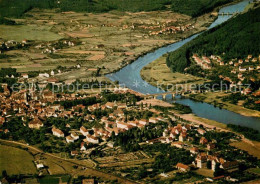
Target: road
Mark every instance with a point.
(72, 161)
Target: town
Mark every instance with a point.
(132, 92)
(117, 122)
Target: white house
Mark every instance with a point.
(74, 136)
(69, 139)
(122, 125)
(153, 120)
(82, 147)
(84, 131)
(92, 139)
(42, 75)
(143, 122)
(57, 132)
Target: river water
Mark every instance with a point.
(129, 76)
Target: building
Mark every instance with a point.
(122, 125)
(201, 160)
(57, 132)
(74, 153)
(88, 181)
(39, 166)
(182, 167)
(74, 136)
(69, 139)
(25, 76)
(211, 146)
(201, 131)
(36, 124)
(183, 137)
(83, 147)
(42, 75)
(84, 131)
(194, 150)
(143, 122)
(177, 144)
(92, 139)
(229, 166)
(153, 120)
(203, 140)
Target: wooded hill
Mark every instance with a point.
(16, 8)
(236, 38)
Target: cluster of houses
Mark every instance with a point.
(48, 48)
(10, 44)
(204, 62)
(203, 153)
(167, 29)
(37, 106)
(33, 104)
(115, 122)
(240, 71)
(37, 109)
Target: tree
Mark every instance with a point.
(209, 164)
(4, 174)
(218, 170)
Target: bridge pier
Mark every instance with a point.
(164, 96)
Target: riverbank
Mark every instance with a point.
(252, 147)
(214, 98)
(158, 74)
(200, 24)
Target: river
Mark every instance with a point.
(130, 77)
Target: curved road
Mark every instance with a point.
(122, 180)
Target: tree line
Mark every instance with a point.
(17, 8)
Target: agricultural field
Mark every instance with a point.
(15, 160)
(252, 147)
(54, 179)
(29, 32)
(107, 41)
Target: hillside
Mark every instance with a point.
(236, 38)
(16, 8)
(196, 8)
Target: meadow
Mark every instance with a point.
(158, 72)
(15, 160)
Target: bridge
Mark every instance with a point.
(227, 13)
(163, 95)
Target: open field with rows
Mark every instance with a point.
(107, 40)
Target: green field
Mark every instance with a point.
(16, 161)
(29, 32)
(49, 180)
(255, 170)
(54, 179)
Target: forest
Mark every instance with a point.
(235, 38)
(249, 133)
(16, 8)
(196, 8)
